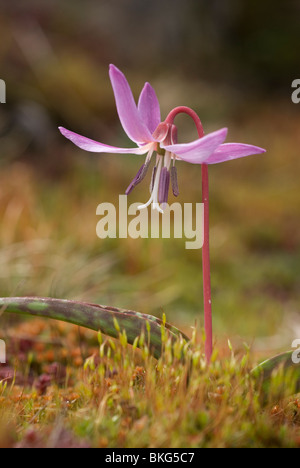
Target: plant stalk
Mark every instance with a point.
(205, 250)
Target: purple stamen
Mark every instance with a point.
(143, 172)
(135, 181)
(167, 185)
(139, 177)
(164, 183)
(174, 181)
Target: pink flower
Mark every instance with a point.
(143, 125)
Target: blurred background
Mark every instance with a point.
(233, 62)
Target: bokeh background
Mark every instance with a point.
(233, 62)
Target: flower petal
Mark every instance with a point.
(148, 107)
(198, 151)
(127, 109)
(230, 151)
(96, 147)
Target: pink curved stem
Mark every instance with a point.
(186, 110)
(205, 250)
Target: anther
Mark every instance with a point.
(164, 183)
(136, 180)
(143, 172)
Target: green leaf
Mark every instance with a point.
(278, 376)
(110, 321)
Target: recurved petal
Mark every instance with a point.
(198, 151)
(230, 151)
(148, 107)
(96, 147)
(128, 112)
